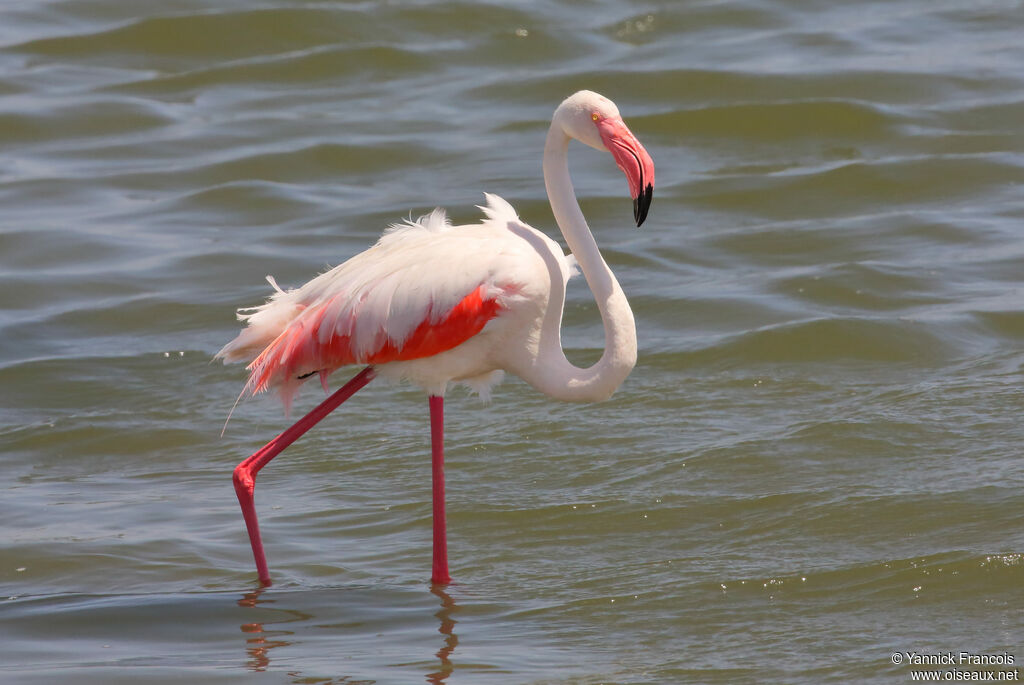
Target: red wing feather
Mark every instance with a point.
(298, 347)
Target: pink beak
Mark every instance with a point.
(634, 161)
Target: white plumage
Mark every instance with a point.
(415, 273)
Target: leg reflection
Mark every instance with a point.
(260, 641)
(447, 628)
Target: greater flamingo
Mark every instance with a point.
(437, 304)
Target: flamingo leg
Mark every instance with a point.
(245, 472)
(440, 573)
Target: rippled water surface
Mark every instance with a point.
(815, 464)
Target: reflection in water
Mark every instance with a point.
(448, 607)
(260, 641)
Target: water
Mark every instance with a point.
(815, 464)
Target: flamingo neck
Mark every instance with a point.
(554, 374)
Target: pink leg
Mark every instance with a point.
(245, 473)
(440, 572)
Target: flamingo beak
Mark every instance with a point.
(634, 161)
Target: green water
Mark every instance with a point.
(816, 463)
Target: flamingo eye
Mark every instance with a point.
(595, 116)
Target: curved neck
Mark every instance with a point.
(554, 374)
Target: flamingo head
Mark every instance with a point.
(595, 121)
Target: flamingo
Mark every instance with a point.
(436, 304)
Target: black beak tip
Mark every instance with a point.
(642, 203)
